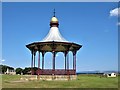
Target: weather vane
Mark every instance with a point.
(54, 12)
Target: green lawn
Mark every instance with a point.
(83, 81)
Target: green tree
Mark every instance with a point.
(19, 70)
(26, 70)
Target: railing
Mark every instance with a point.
(55, 72)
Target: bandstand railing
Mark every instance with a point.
(55, 72)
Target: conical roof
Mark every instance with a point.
(54, 34)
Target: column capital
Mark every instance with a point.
(43, 53)
(65, 53)
(54, 53)
(34, 53)
(74, 52)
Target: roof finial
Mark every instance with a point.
(54, 12)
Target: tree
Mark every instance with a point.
(19, 70)
(26, 70)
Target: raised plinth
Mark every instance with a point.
(49, 77)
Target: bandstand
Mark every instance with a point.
(54, 43)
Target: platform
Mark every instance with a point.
(48, 77)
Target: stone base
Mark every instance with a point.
(49, 77)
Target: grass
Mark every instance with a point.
(83, 81)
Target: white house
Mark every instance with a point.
(110, 75)
(10, 71)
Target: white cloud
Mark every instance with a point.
(115, 12)
(3, 60)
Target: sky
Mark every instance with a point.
(94, 25)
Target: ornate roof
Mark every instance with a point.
(54, 35)
(54, 41)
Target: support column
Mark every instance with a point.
(43, 60)
(68, 73)
(34, 58)
(74, 61)
(38, 62)
(34, 53)
(65, 54)
(32, 63)
(53, 61)
(67, 61)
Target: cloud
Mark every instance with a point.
(115, 12)
(3, 60)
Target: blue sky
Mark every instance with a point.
(88, 24)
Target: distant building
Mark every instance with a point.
(110, 74)
(10, 71)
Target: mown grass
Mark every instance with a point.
(83, 81)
